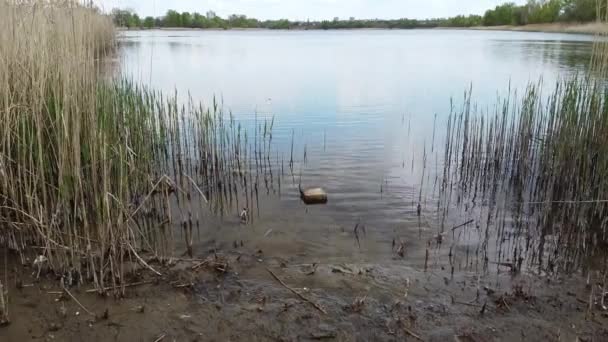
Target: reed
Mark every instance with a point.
(95, 171)
(53, 142)
(4, 317)
(539, 165)
(533, 173)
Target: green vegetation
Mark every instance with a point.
(173, 19)
(534, 12)
(544, 11)
(127, 18)
(93, 172)
(532, 173)
(540, 164)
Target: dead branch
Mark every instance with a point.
(411, 333)
(119, 286)
(200, 264)
(197, 188)
(142, 260)
(65, 289)
(317, 306)
(462, 225)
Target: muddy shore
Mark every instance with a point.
(300, 277)
(242, 294)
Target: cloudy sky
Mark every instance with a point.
(311, 9)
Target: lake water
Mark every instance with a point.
(363, 104)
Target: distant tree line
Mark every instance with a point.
(128, 18)
(545, 11)
(533, 12)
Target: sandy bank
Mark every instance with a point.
(580, 28)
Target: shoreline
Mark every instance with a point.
(243, 294)
(594, 28)
(571, 28)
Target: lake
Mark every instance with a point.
(364, 106)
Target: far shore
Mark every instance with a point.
(580, 28)
(575, 28)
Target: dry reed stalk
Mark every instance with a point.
(538, 163)
(4, 318)
(92, 171)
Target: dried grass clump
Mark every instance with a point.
(56, 153)
(70, 145)
(94, 171)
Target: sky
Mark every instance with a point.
(311, 9)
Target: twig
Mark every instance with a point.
(119, 286)
(186, 259)
(465, 303)
(74, 298)
(142, 260)
(317, 306)
(462, 225)
(160, 338)
(197, 188)
(505, 303)
(148, 195)
(411, 333)
(200, 264)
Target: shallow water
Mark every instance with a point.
(365, 106)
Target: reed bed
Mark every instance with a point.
(96, 172)
(533, 175)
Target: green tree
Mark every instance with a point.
(242, 21)
(172, 19)
(543, 11)
(282, 24)
(461, 21)
(505, 14)
(534, 11)
(580, 10)
(134, 21)
(125, 18)
(198, 20)
(186, 20)
(149, 22)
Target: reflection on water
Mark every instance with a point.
(366, 106)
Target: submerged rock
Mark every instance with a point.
(313, 196)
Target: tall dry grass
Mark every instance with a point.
(70, 145)
(92, 171)
(57, 155)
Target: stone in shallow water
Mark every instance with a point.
(313, 196)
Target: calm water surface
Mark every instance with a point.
(363, 104)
